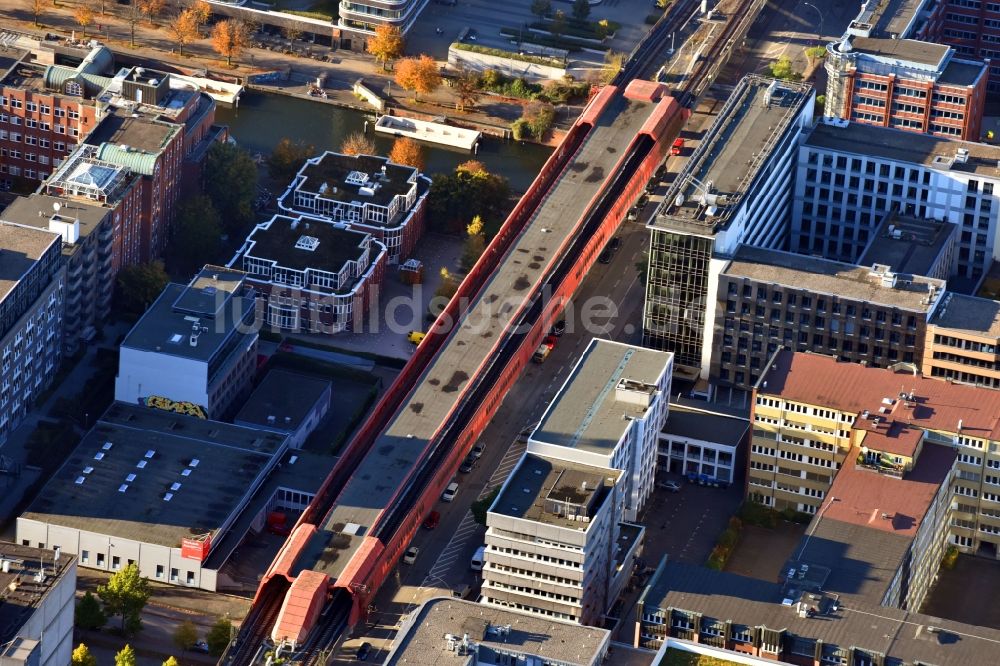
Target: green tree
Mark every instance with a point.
(613, 62)
(541, 7)
(581, 10)
(287, 158)
(816, 52)
(539, 117)
(456, 197)
(218, 636)
(171, 661)
(82, 657)
(482, 506)
(194, 239)
(820, 103)
(89, 614)
(782, 69)
(231, 184)
(126, 656)
(138, 287)
(185, 635)
(126, 594)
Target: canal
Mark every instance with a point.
(263, 119)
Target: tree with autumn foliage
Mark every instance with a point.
(202, 12)
(229, 38)
(185, 29)
(407, 152)
(466, 87)
(151, 8)
(36, 9)
(419, 74)
(475, 243)
(387, 44)
(357, 143)
(84, 15)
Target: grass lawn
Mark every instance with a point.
(321, 9)
(678, 658)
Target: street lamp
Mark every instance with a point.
(819, 32)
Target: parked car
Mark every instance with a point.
(364, 652)
(449, 493)
(672, 486)
(433, 520)
(615, 244)
(478, 450)
(416, 337)
(604, 257)
(559, 328)
(678, 147)
(200, 646)
(411, 555)
(467, 465)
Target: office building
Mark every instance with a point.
(850, 175)
(963, 341)
(814, 415)
(31, 314)
(172, 493)
(769, 299)
(878, 74)
(312, 276)
(729, 192)
(359, 18)
(795, 623)
(556, 546)
(39, 598)
(907, 245)
(288, 403)
(702, 443)
(196, 344)
(451, 632)
(609, 413)
(362, 193)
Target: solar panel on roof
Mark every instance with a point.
(130, 478)
(122, 488)
(107, 446)
(141, 464)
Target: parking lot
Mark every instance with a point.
(442, 23)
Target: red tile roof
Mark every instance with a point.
(862, 497)
(850, 387)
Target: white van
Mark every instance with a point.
(449, 493)
(478, 559)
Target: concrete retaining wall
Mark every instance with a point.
(508, 66)
(369, 95)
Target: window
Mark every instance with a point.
(85, 556)
(159, 571)
(173, 575)
(116, 562)
(100, 559)
(190, 578)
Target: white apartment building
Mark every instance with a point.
(730, 192)
(555, 543)
(609, 413)
(850, 175)
(196, 345)
(701, 444)
(39, 599)
(31, 314)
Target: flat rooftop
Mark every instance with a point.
(341, 178)
(538, 483)
(820, 380)
(825, 276)
(962, 72)
(286, 397)
(214, 299)
(20, 249)
(702, 424)
(902, 146)
(588, 412)
(908, 244)
(899, 634)
(22, 593)
(303, 244)
(731, 154)
(36, 210)
(22, 73)
(439, 389)
(10, 56)
(907, 50)
(143, 133)
(968, 314)
(551, 641)
(120, 489)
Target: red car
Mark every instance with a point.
(677, 147)
(432, 520)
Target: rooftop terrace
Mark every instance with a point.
(609, 382)
(721, 170)
(928, 150)
(301, 244)
(495, 630)
(824, 276)
(156, 476)
(349, 178)
(439, 389)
